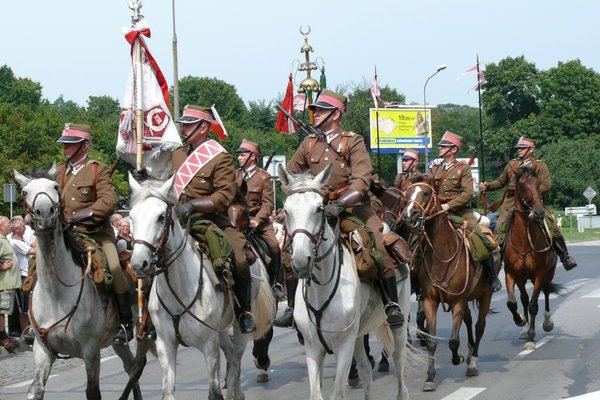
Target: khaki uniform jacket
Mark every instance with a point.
(508, 179)
(354, 172)
(91, 188)
(260, 194)
(454, 186)
(402, 180)
(216, 180)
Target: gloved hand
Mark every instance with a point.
(79, 216)
(184, 210)
(140, 175)
(333, 209)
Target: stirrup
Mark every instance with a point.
(247, 315)
(394, 314)
(277, 290)
(286, 320)
(123, 335)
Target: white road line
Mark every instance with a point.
(29, 381)
(593, 295)
(587, 396)
(537, 346)
(464, 393)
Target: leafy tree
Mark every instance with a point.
(18, 90)
(261, 116)
(208, 91)
(511, 92)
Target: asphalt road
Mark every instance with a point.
(565, 365)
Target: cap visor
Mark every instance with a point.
(189, 120)
(242, 150)
(70, 139)
(445, 143)
(321, 104)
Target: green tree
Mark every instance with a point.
(208, 91)
(511, 92)
(261, 116)
(22, 91)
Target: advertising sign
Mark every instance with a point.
(400, 128)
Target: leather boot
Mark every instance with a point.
(561, 249)
(286, 320)
(243, 292)
(275, 277)
(395, 317)
(125, 332)
(493, 281)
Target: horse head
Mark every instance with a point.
(151, 219)
(40, 196)
(238, 212)
(528, 193)
(420, 201)
(305, 220)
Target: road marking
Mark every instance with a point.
(537, 346)
(465, 393)
(593, 295)
(587, 396)
(30, 381)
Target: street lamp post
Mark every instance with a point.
(428, 133)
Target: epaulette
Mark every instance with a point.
(350, 133)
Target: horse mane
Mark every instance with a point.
(303, 179)
(150, 188)
(526, 171)
(39, 173)
(425, 178)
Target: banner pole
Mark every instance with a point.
(139, 120)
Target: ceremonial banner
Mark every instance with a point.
(283, 124)
(159, 136)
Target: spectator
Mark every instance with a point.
(24, 251)
(9, 282)
(124, 240)
(115, 219)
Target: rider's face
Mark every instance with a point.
(322, 119)
(74, 151)
(523, 152)
(245, 159)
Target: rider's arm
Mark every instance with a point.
(298, 163)
(224, 185)
(544, 175)
(360, 162)
(106, 198)
(466, 190)
(501, 182)
(266, 205)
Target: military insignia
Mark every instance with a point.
(67, 126)
(85, 190)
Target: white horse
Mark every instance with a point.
(69, 314)
(335, 309)
(184, 305)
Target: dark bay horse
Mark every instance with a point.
(447, 275)
(529, 256)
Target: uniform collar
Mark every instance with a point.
(250, 171)
(75, 167)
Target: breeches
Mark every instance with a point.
(238, 242)
(120, 282)
(269, 235)
(366, 214)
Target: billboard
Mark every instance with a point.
(405, 127)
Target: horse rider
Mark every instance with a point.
(410, 160)
(349, 184)
(261, 200)
(453, 183)
(525, 148)
(89, 200)
(205, 187)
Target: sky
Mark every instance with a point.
(76, 48)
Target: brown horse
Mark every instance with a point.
(529, 256)
(447, 275)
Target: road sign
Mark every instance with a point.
(275, 162)
(589, 193)
(590, 209)
(10, 193)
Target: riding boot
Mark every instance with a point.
(125, 332)
(561, 249)
(287, 318)
(490, 268)
(243, 292)
(275, 277)
(394, 314)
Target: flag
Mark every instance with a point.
(284, 124)
(159, 136)
(299, 102)
(323, 79)
(219, 127)
(376, 93)
(467, 72)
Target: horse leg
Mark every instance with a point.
(458, 313)
(421, 328)
(92, 371)
(430, 307)
(260, 351)
(344, 353)
(484, 307)
(167, 358)
(525, 303)
(233, 353)
(213, 364)
(548, 324)
(533, 310)
(134, 366)
(511, 302)
(363, 365)
(43, 361)
(468, 320)
(314, 364)
(399, 357)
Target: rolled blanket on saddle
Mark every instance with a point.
(210, 235)
(481, 240)
(362, 243)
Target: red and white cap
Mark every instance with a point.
(411, 155)
(193, 114)
(524, 142)
(248, 146)
(75, 133)
(451, 139)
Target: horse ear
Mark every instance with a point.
(166, 187)
(323, 176)
(133, 184)
(21, 179)
(53, 171)
(284, 176)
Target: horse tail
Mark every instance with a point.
(384, 334)
(556, 288)
(265, 306)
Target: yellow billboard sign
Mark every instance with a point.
(399, 129)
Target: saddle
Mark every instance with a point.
(482, 243)
(361, 242)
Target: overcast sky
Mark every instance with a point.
(76, 48)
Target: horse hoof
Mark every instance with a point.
(529, 346)
(472, 371)
(262, 376)
(458, 360)
(354, 382)
(383, 367)
(522, 322)
(548, 326)
(430, 387)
